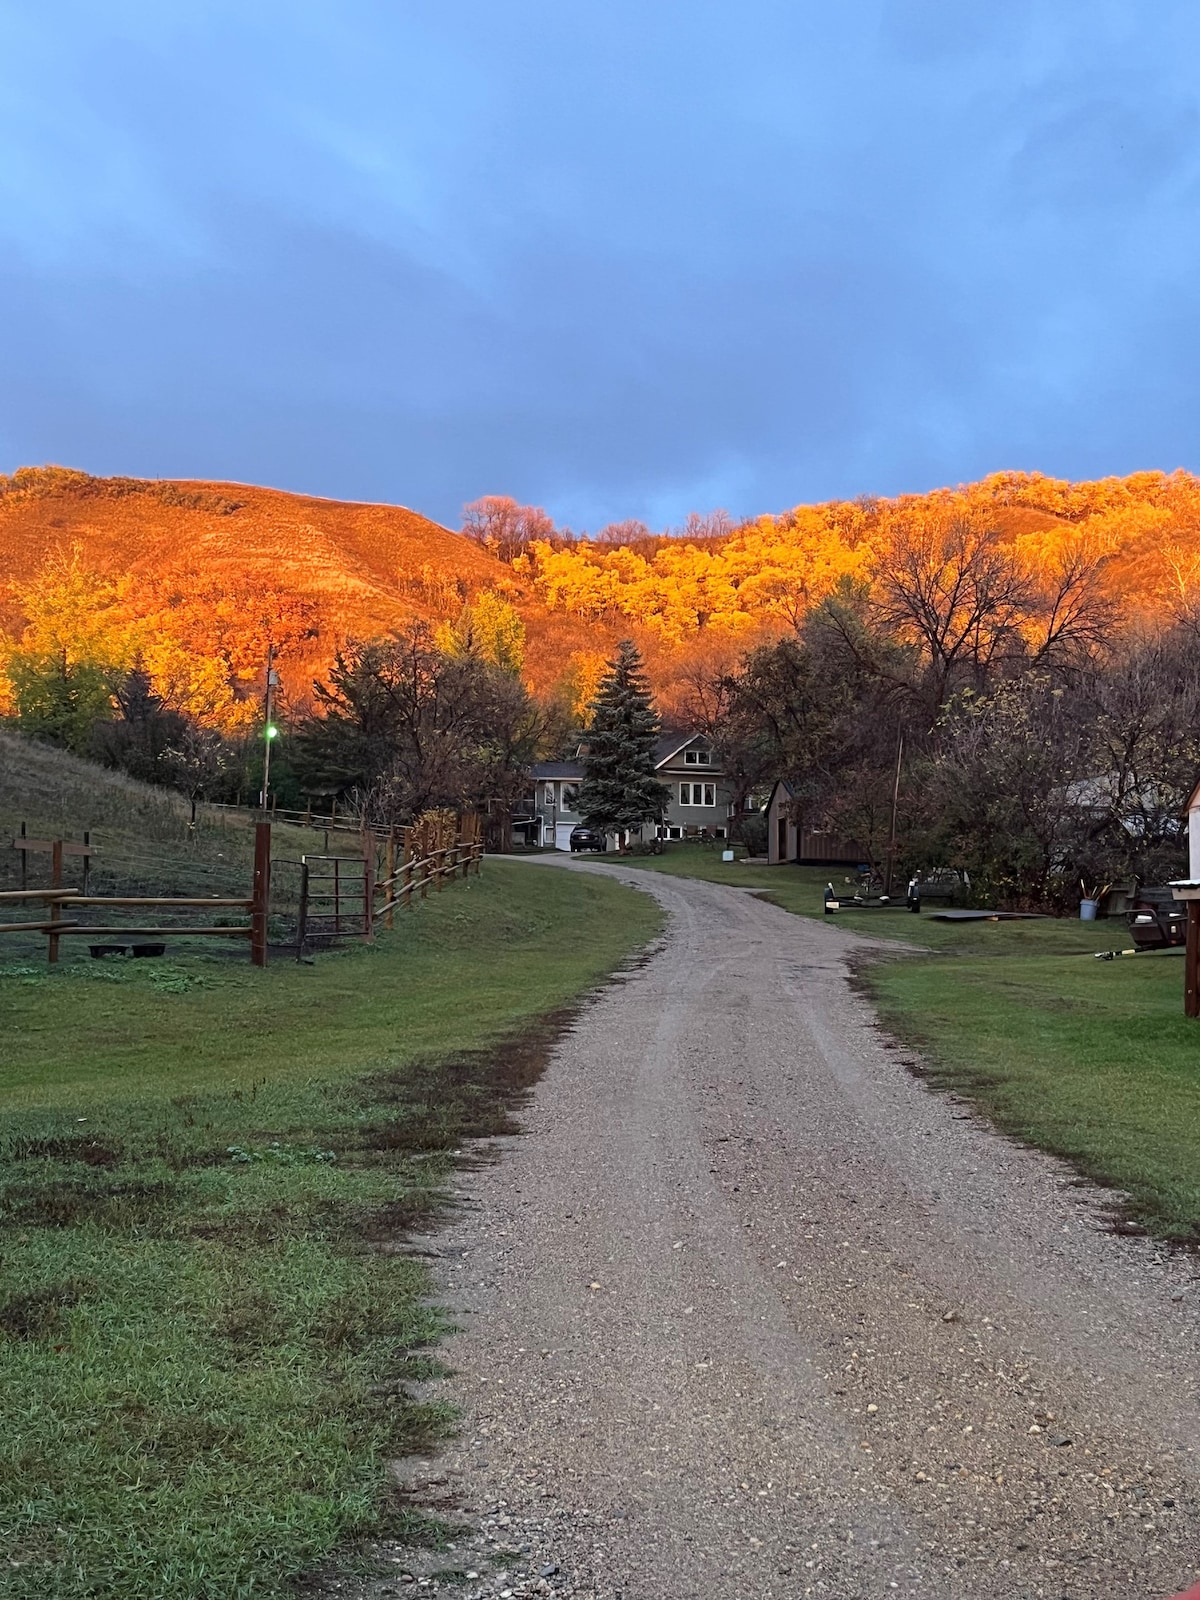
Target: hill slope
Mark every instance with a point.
(196, 577)
(212, 570)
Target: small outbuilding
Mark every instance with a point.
(788, 841)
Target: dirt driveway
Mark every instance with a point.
(749, 1313)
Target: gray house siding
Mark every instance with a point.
(698, 804)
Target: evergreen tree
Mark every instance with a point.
(620, 791)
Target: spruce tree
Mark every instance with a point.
(620, 791)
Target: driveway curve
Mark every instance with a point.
(748, 1313)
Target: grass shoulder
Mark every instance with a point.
(204, 1360)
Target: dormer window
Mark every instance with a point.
(697, 758)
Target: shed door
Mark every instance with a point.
(781, 847)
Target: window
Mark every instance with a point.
(697, 758)
(550, 795)
(697, 794)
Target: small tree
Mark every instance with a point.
(505, 528)
(490, 629)
(619, 791)
(58, 699)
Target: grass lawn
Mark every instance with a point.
(1092, 1060)
(203, 1357)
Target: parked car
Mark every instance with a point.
(938, 883)
(585, 838)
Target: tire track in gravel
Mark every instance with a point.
(749, 1313)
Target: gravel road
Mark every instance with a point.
(747, 1313)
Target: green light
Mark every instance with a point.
(270, 731)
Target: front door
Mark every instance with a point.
(781, 850)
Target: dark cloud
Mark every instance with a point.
(621, 263)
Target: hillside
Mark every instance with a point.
(196, 577)
(212, 569)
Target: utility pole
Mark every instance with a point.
(270, 730)
(891, 855)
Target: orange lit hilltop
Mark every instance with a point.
(195, 578)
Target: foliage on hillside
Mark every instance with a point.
(194, 579)
(1142, 532)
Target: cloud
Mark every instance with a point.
(631, 261)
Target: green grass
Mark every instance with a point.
(1090, 1060)
(204, 1360)
(801, 890)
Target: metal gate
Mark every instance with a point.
(335, 899)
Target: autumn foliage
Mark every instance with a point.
(194, 579)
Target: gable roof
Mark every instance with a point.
(670, 744)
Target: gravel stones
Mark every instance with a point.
(748, 1313)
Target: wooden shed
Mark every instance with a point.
(787, 841)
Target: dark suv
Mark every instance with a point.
(585, 838)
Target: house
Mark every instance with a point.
(698, 805)
(788, 841)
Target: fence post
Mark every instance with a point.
(302, 913)
(261, 894)
(56, 862)
(1191, 962)
(368, 885)
(389, 872)
(24, 868)
(87, 856)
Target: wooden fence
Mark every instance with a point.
(62, 905)
(344, 896)
(340, 896)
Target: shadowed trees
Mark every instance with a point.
(405, 728)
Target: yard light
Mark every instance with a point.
(270, 731)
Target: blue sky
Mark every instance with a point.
(622, 260)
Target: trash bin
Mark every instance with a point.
(1087, 910)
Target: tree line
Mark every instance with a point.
(957, 710)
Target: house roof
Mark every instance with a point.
(558, 769)
(670, 744)
(666, 746)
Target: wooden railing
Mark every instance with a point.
(433, 852)
(343, 896)
(417, 875)
(55, 925)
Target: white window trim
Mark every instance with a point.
(687, 793)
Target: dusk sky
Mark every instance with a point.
(620, 260)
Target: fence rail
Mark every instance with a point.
(352, 895)
(339, 897)
(58, 899)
